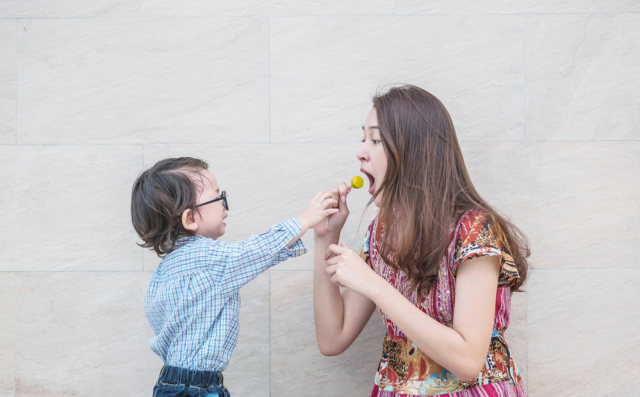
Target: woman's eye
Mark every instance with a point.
(375, 141)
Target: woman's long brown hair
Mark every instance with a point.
(426, 186)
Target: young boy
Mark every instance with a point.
(193, 300)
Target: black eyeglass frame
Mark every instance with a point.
(223, 197)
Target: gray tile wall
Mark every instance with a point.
(544, 95)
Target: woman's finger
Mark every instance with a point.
(342, 188)
(335, 194)
(330, 211)
(335, 249)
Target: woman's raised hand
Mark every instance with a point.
(332, 225)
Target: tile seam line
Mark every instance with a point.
(142, 170)
(524, 77)
(534, 271)
(74, 271)
(17, 140)
(132, 18)
(389, 15)
(98, 144)
(270, 314)
(526, 339)
(15, 322)
(269, 88)
(291, 143)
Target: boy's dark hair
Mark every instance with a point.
(159, 197)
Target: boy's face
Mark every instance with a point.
(210, 217)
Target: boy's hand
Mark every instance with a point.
(322, 206)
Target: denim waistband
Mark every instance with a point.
(190, 377)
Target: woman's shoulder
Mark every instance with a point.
(473, 216)
(478, 233)
(477, 229)
(476, 221)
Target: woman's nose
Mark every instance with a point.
(362, 155)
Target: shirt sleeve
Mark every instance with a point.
(243, 261)
(479, 234)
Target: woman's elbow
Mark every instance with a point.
(466, 376)
(329, 352)
(330, 349)
(468, 371)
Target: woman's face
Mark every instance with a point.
(373, 159)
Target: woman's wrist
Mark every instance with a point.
(303, 221)
(331, 237)
(376, 288)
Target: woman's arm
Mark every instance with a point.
(339, 317)
(461, 349)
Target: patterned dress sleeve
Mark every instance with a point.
(479, 234)
(364, 252)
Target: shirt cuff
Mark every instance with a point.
(294, 228)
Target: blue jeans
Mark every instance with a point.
(182, 382)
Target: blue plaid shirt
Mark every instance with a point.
(193, 300)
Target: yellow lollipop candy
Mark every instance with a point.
(357, 182)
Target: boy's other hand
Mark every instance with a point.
(320, 207)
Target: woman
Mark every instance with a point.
(438, 261)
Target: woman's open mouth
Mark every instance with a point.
(372, 181)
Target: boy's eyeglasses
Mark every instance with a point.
(223, 197)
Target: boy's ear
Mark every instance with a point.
(188, 220)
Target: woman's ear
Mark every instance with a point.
(188, 220)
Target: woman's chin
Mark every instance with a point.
(377, 200)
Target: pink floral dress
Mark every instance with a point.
(404, 370)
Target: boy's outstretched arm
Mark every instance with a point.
(243, 261)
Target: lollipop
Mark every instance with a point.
(357, 182)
